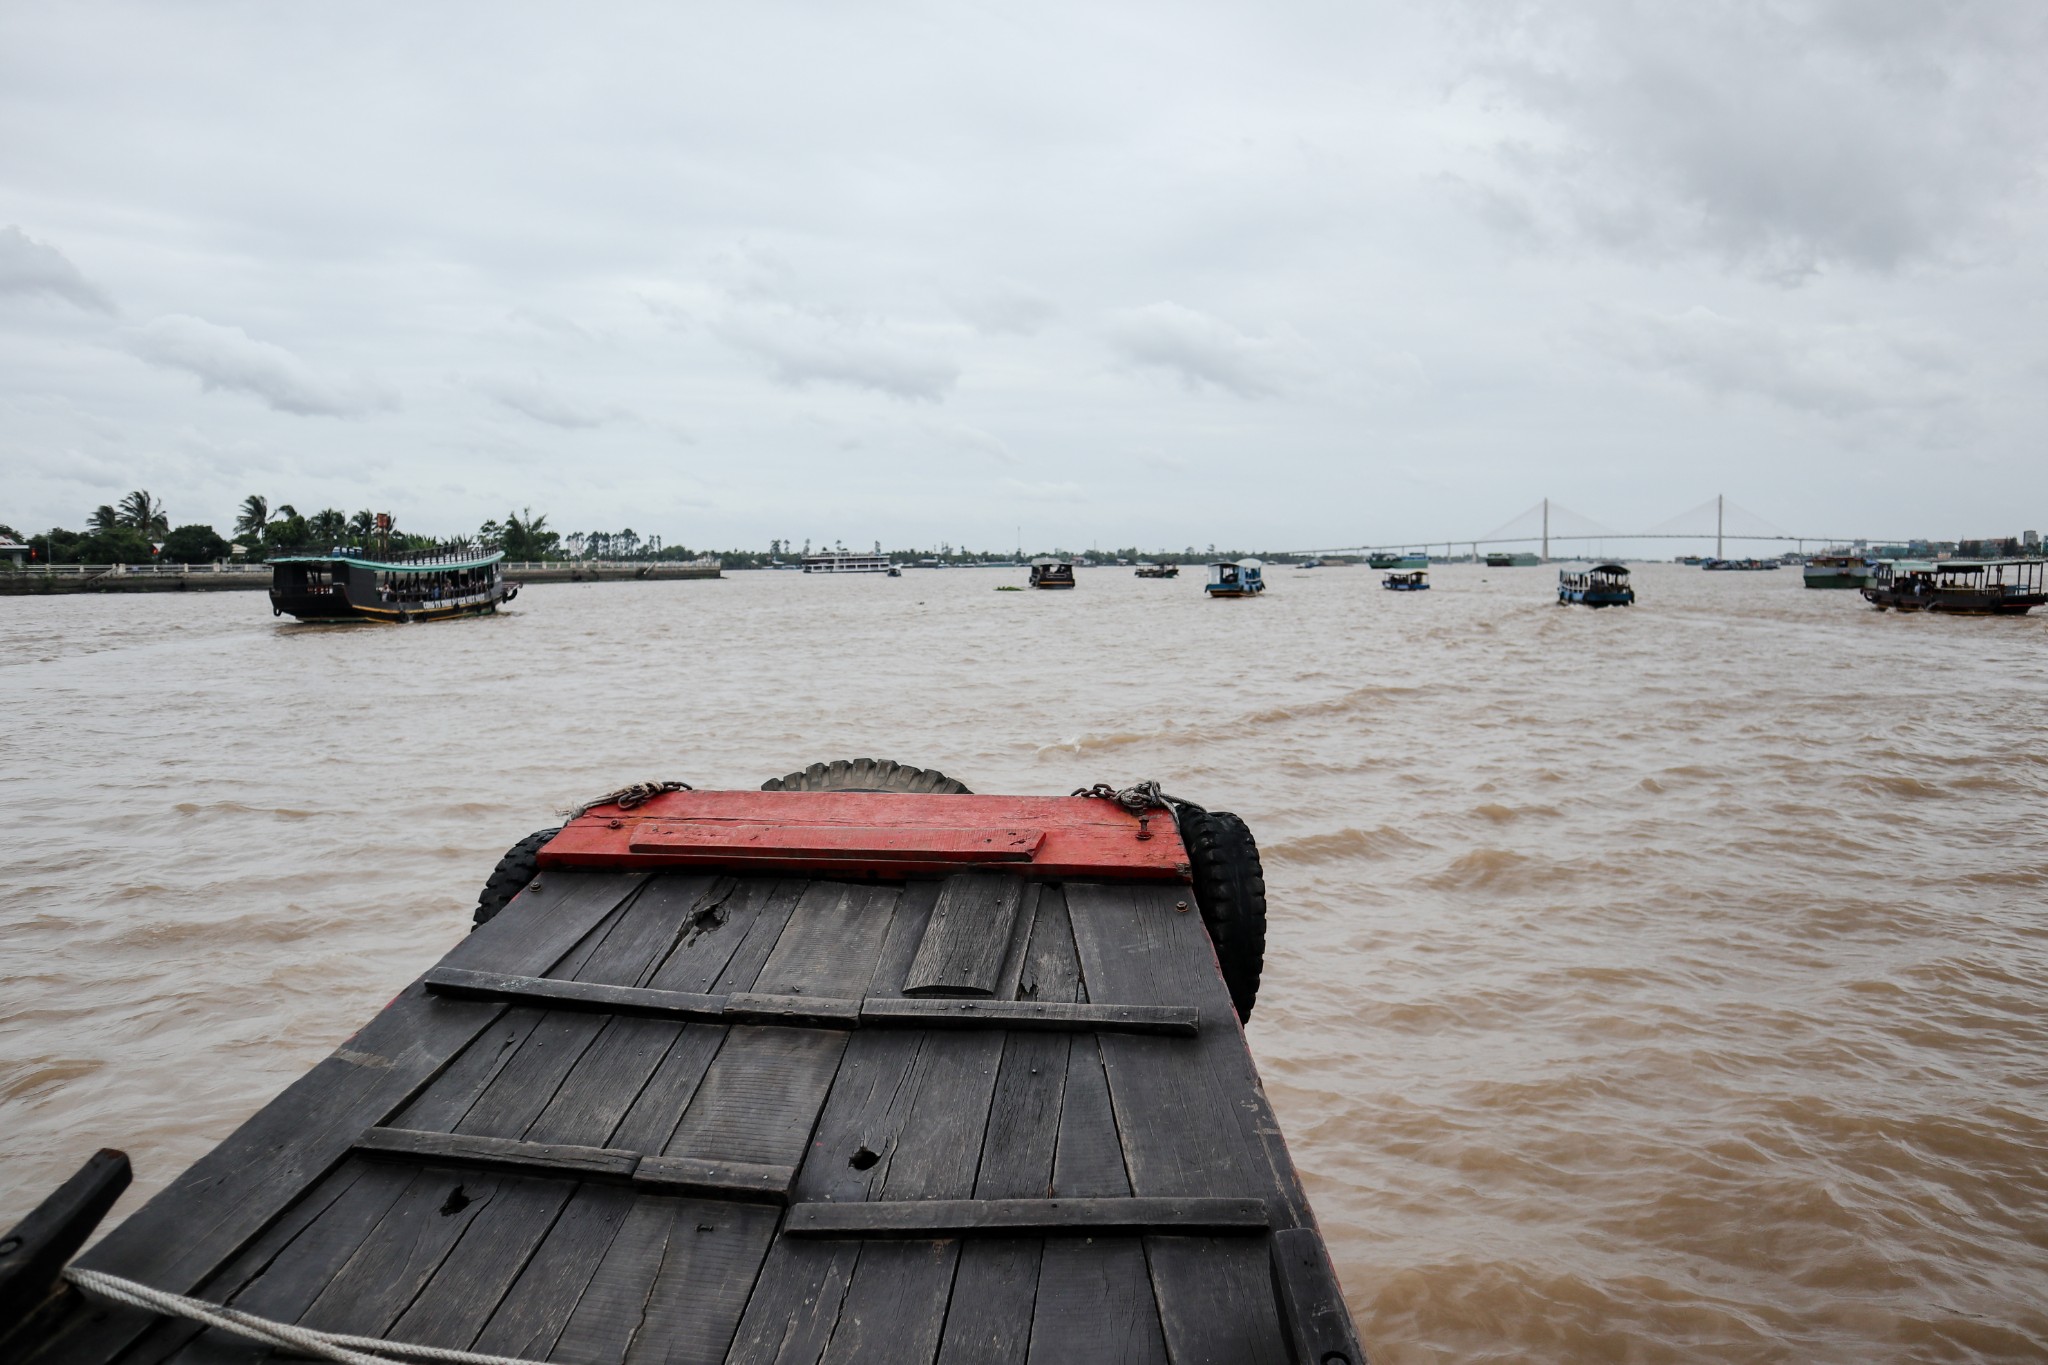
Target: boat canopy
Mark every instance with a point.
(383, 566)
(1611, 568)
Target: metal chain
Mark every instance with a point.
(631, 795)
(1137, 798)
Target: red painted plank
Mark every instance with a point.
(723, 841)
(875, 833)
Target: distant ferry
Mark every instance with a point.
(1501, 559)
(846, 563)
(1839, 570)
(1052, 573)
(1158, 571)
(1404, 560)
(432, 585)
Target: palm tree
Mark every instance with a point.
(362, 524)
(328, 525)
(105, 518)
(255, 516)
(526, 537)
(144, 513)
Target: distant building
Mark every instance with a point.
(13, 551)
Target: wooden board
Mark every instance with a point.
(968, 937)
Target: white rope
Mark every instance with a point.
(333, 1346)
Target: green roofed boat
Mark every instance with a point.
(426, 585)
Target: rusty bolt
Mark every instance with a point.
(616, 823)
(1180, 905)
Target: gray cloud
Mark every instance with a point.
(227, 358)
(1834, 371)
(803, 348)
(532, 396)
(31, 267)
(1788, 137)
(1202, 351)
(1011, 309)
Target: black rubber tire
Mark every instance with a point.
(1230, 891)
(514, 871)
(867, 775)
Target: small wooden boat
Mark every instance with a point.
(1974, 587)
(1604, 585)
(430, 585)
(1047, 572)
(1415, 580)
(1236, 578)
(1403, 559)
(859, 1066)
(1158, 571)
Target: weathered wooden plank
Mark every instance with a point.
(477, 1274)
(1090, 1158)
(722, 1179)
(1013, 1217)
(1311, 1301)
(529, 1320)
(1095, 1305)
(861, 1117)
(776, 904)
(303, 1267)
(707, 1273)
(553, 1158)
(906, 931)
(968, 937)
(895, 1306)
(1175, 1021)
(1024, 1111)
(988, 1321)
(832, 941)
(33, 1253)
(402, 1252)
(193, 1227)
(443, 1102)
(760, 1097)
(651, 1121)
(590, 1103)
(615, 1301)
(1216, 1301)
(795, 1303)
(721, 922)
(648, 930)
(1020, 941)
(575, 995)
(754, 1007)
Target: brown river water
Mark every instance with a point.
(1667, 984)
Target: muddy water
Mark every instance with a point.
(1663, 984)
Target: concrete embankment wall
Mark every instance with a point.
(29, 583)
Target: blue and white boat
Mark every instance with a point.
(1603, 585)
(1415, 580)
(1236, 578)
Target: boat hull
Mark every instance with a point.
(329, 608)
(1953, 603)
(1215, 591)
(1837, 578)
(1583, 597)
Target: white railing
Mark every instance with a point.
(610, 565)
(170, 570)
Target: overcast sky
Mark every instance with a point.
(1274, 275)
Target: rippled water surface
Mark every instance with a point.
(1661, 984)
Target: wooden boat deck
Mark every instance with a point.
(683, 1116)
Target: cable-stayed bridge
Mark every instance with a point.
(1547, 523)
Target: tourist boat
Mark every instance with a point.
(1414, 580)
(1603, 585)
(1405, 559)
(426, 585)
(1158, 571)
(1972, 587)
(857, 1066)
(1236, 578)
(842, 562)
(1839, 569)
(1047, 572)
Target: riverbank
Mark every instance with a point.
(119, 578)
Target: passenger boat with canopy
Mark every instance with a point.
(1414, 580)
(857, 1066)
(1603, 585)
(1236, 578)
(1967, 587)
(424, 585)
(1047, 572)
